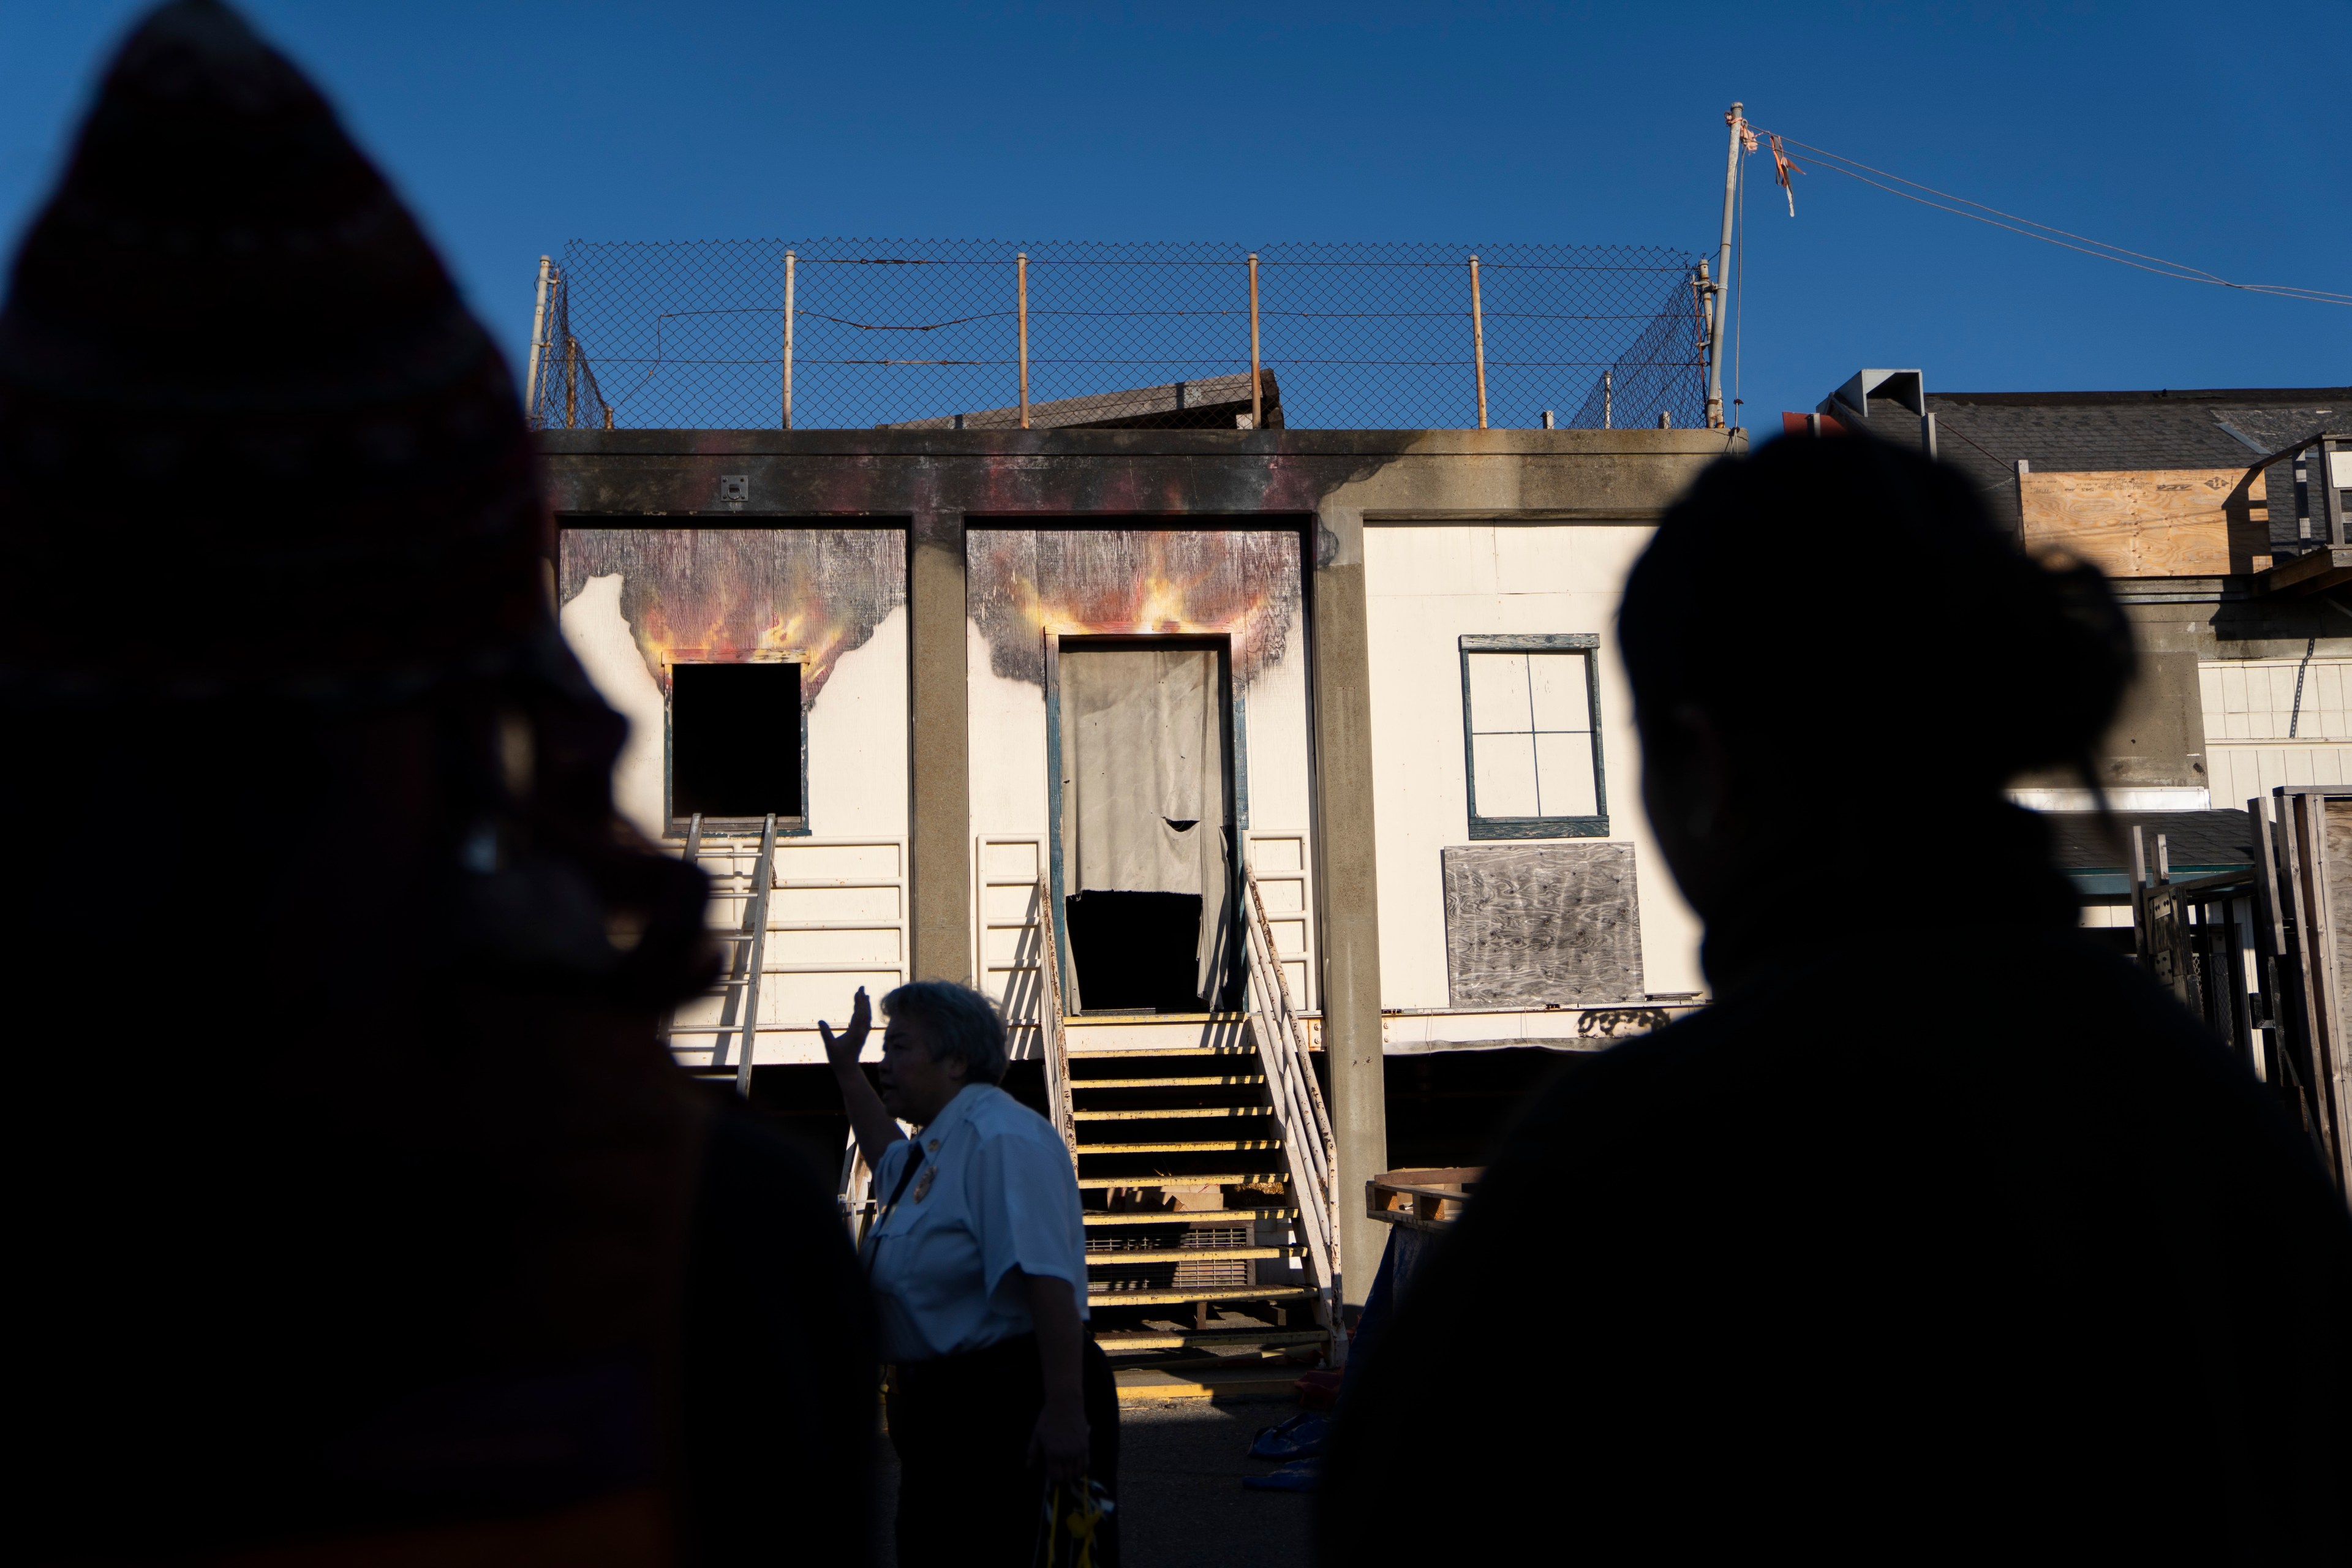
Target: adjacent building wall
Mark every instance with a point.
(2274, 718)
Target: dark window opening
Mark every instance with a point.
(1136, 952)
(735, 740)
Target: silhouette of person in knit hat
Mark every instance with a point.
(1943, 1234)
(355, 1205)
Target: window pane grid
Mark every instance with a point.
(1531, 720)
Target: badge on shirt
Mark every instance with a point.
(923, 1182)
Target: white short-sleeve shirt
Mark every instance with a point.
(995, 1192)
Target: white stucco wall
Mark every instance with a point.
(1007, 740)
(858, 741)
(840, 896)
(856, 727)
(600, 641)
(1428, 585)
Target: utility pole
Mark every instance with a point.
(1739, 124)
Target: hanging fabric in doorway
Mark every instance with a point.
(1144, 794)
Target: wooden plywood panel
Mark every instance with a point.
(1528, 924)
(2161, 522)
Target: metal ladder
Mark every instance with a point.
(746, 963)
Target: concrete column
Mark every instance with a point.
(1347, 907)
(940, 790)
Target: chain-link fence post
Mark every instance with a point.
(1257, 380)
(790, 314)
(1021, 271)
(1478, 340)
(537, 341)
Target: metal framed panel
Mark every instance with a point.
(1593, 827)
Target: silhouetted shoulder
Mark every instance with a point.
(1838, 1232)
(781, 1380)
(1000, 1116)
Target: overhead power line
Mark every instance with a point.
(2048, 234)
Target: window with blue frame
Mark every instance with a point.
(1531, 736)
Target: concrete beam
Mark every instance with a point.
(1346, 885)
(938, 752)
(1433, 475)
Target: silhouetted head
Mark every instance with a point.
(292, 459)
(954, 1021)
(270, 527)
(1838, 660)
(395, 1113)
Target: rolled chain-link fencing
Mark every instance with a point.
(853, 334)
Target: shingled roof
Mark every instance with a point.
(2096, 857)
(2208, 840)
(1986, 432)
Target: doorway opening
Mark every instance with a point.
(735, 742)
(1144, 742)
(1135, 952)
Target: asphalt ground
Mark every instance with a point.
(1180, 1499)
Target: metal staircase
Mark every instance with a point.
(1204, 1164)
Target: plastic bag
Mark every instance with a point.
(1074, 1528)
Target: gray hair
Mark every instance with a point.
(957, 1021)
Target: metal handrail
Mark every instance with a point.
(855, 1194)
(1285, 1075)
(1296, 1100)
(1295, 1025)
(1051, 1044)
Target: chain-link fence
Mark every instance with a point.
(839, 334)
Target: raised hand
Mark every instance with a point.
(876, 1128)
(844, 1049)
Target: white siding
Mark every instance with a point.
(2250, 706)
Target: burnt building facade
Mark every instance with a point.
(1118, 704)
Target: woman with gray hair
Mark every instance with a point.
(978, 1265)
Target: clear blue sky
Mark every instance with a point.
(2205, 133)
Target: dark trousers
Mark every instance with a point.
(967, 1493)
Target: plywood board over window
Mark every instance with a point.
(2154, 522)
(1531, 924)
